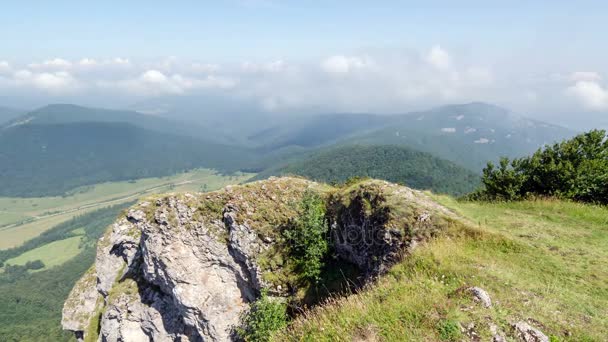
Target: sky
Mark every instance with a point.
(544, 59)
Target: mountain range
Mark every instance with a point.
(58, 147)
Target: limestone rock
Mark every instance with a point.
(81, 303)
(525, 332)
(376, 223)
(481, 296)
(185, 267)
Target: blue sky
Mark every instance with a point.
(521, 54)
(228, 30)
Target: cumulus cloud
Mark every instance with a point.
(344, 64)
(585, 76)
(53, 82)
(439, 58)
(205, 68)
(155, 82)
(5, 67)
(87, 62)
(268, 67)
(590, 94)
(379, 81)
(52, 64)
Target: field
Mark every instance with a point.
(24, 218)
(52, 254)
(542, 262)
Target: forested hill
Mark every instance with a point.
(397, 164)
(42, 160)
(68, 113)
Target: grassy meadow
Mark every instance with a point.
(22, 219)
(52, 254)
(541, 261)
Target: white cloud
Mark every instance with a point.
(154, 83)
(51, 82)
(439, 58)
(590, 94)
(86, 62)
(119, 61)
(270, 67)
(589, 76)
(377, 81)
(344, 64)
(5, 67)
(205, 68)
(52, 64)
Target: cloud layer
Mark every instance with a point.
(387, 81)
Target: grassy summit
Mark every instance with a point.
(540, 261)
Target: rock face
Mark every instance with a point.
(375, 223)
(185, 267)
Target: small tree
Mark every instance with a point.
(504, 182)
(307, 237)
(573, 169)
(34, 265)
(265, 316)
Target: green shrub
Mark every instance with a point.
(307, 237)
(265, 317)
(34, 265)
(448, 330)
(574, 169)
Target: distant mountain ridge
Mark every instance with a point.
(68, 113)
(50, 159)
(469, 135)
(50, 150)
(466, 134)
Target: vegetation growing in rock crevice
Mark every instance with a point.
(575, 169)
(266, 316)
(307, 238)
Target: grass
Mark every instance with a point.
(52, 254)
(541, 261)
(24, 218)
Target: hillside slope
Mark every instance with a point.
(468, 135)
(50, 159)
(69, 114)
(396, 164)
(542, 263)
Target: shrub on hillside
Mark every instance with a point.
(307, 237)
(266, 316)
(574, 169)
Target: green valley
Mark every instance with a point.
(25, 218)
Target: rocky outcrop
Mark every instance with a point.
(480, 295)
(526, 333)
(186, 266)
(375, 223)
